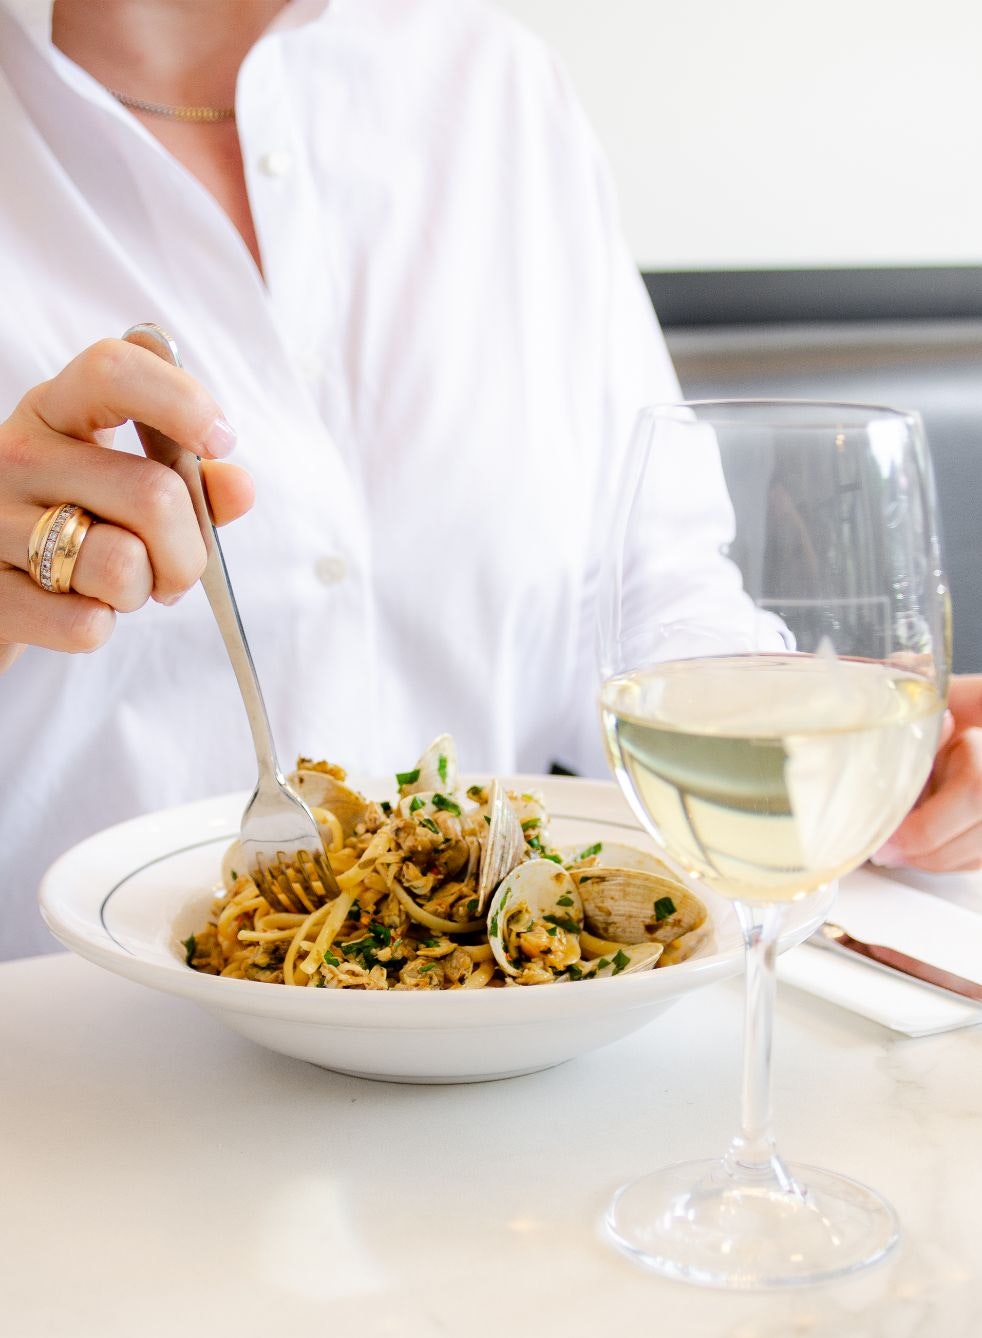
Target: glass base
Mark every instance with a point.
(724, 1226)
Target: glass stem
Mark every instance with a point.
(752, 1153)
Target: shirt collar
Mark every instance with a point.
(33, 15)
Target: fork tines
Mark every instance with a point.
(297, 884)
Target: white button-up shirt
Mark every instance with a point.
(433, 386)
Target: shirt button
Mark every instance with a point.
(276, 163)
(330, 570)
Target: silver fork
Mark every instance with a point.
(280, 839)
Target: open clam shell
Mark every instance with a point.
(615, 855)
(233, 864)
(628, 959)
(436, 769)
(504, 847)
(533, 817)
(319, 790)
(534, 922)
(635, 906)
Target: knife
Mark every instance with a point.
(835, 937)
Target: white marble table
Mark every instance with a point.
(160, 1176)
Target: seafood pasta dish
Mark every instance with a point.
(447, 888)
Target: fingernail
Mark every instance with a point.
(171, 599)
(887, 857)
(221, 438)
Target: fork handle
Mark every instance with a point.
(214, 578)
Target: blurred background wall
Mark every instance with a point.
(802, 185)
(783, 132)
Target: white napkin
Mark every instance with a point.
(938, 920)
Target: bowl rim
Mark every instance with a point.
(76, 926)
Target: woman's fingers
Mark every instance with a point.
(231, 491)
(113, 566)
(114, 381)
(145, 540)
(944, 833)
(965, 700)
(135, 494)
(31, 615)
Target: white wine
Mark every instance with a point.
(767, 776)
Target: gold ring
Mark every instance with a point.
(54, 545)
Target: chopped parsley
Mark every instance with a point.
(363, 948)
(664, 907)
(386, 807)
(530, 824)
(331, 960)
(430, 824)
(552, 931)
(556, 859)
(190, 946)
(448, 805)
(590, 851)
(382, 934)
(407, 777)
(234, 875)
(472, 905)
(563, 922)
(441, 766)
(475, 791)
(416, 802)
(621, 960)
(574, 972)
(565, 901)
(432, 942)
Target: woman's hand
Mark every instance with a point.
(943, 833)
(56, 448)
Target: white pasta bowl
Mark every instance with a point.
(126, 898)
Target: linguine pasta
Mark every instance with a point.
(409, 915)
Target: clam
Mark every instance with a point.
(504, 846)
(319, 790)
(615, 855)
(630, 897)
(633, 906)
(436, 769)
(233, 864)
(534, 922)
(628, 959)
(686, 944)
(533, 817)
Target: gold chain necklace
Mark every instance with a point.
(175, 113)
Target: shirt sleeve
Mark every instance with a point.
(683, 578)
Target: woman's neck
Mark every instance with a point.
(179, 53)
(176, 52)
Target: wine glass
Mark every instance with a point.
(774, 643)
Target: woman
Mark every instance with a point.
(384, 240)
(398, 275)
